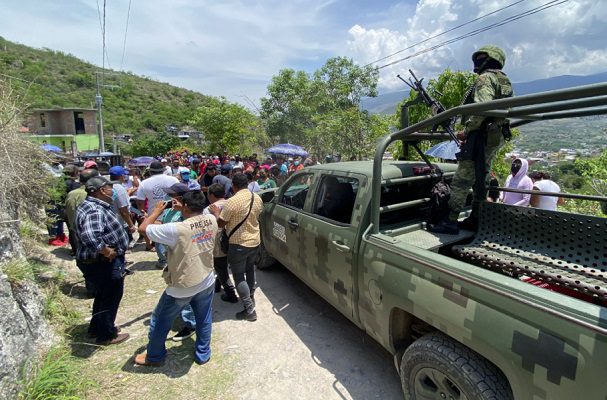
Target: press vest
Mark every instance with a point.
(191, 260)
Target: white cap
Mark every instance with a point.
(164, 160)
(184, 170)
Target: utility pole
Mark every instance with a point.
(99, 103)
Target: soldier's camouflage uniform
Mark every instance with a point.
(491, 84)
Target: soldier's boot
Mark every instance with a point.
(471, 223)
(446, 226)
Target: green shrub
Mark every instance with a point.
(57, 377)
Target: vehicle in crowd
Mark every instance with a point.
(514, 310)
(104, 161)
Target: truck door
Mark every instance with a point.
(329, 238)
(284, 226)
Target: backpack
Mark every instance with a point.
(439, 202)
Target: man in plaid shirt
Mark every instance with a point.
(100, 255)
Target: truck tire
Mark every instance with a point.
(437, 367)
(264, 259)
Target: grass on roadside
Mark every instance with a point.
(56, 377)
(19, 270)
(56, 310)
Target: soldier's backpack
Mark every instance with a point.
(439, 202)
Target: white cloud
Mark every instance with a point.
(566, 39)
(219, 48)
(234, 47)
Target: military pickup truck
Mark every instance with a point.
(514, 310)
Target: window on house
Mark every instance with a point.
(42, 120)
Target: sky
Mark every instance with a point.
(233, 48)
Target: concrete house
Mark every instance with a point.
(72, 129)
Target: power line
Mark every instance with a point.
(126, 29)
(103, 34)
(445, 32)
(475, 32)
(105, 56)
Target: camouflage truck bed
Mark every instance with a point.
(416, 235)
(561, 249)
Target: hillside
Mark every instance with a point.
(62, 80)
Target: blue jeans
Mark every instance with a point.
(165, 312)
(161, 251)
(188, 317)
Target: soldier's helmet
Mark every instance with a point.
(493, 52)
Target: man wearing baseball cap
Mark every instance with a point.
(186, 177)
(152, 190)
(90, 164)
(102, 244)
(120, 198)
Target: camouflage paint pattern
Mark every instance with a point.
(465, 176)
(490, 85)
(548, 345)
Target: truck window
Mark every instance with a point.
(296, 191)
(335, 198)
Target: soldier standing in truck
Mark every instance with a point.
(481, 138)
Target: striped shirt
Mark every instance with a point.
(96, 227)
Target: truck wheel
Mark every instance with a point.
(264, 259)
(438, 367)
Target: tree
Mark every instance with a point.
(450, 88)
(288, 109)
(349, 132)
(228, 126)
(153, 145)
(341, 84)
(322, 111)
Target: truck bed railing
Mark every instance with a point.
(565, 103)
(552, 194)
(404, 205)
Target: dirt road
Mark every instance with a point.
(300, 347)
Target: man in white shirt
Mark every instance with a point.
(189, 276)
(151, 189)
(167, 167)
(543, 183)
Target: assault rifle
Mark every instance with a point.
(424, 97)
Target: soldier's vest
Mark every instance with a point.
(502, 84)
(191, 260)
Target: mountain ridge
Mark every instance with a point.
(386, 103)
(134, 104)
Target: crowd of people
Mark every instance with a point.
(179, 205)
